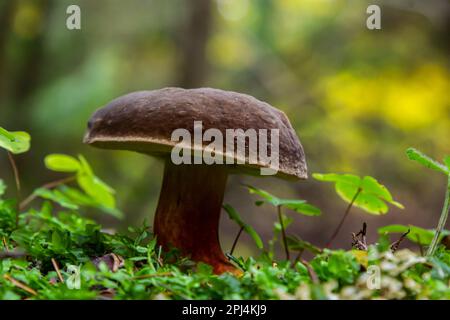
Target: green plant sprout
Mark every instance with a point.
(299, 206)
(16, 142)
(92, 192)
(365, 193)
(95, 193)
(416, 155)
(234, 215)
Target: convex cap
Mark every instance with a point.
(143, 121)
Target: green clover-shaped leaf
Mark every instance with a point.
(371, 195)
(15, 142)
(96, 192)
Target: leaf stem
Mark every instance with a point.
(17, 180)
(19, 284)
(299, 255)
(236, 240)
(442, 221)
(311, 272)
(335, 233)
(283, 233)
(15, 170)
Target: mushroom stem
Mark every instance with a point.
(188, 212)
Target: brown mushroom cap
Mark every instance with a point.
(143, 121)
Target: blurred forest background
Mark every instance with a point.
(357, 98)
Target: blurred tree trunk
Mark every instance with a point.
(22, 48)
(20, 60)
(195, 32)
(6, 10)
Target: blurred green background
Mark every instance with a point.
(357, 98)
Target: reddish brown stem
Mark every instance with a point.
(188, 212)
(347, 211)
(236, 240)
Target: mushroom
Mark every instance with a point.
(190, 202)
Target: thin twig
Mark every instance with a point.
(17, 180)
(283, 233)
(49, 185)
(236, 240)
(58, 272)
(361, 242)
(396, 244)
(299, 255)
(19, 284)
(335, 233)
(311, 272)
(363, 233)
(15, 170)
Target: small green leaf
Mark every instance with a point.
(265, 195)
(93, 186)
(416, 234)
(6, 134)
(78, 197)
(15, 142)
(287, 221)
(72, 198)
(300, 206)
(62, 163)
(96, 194)
(234, 215)
(371, 195)
(85, 166)
(56, 196)
(297, 205)
(423, 159)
